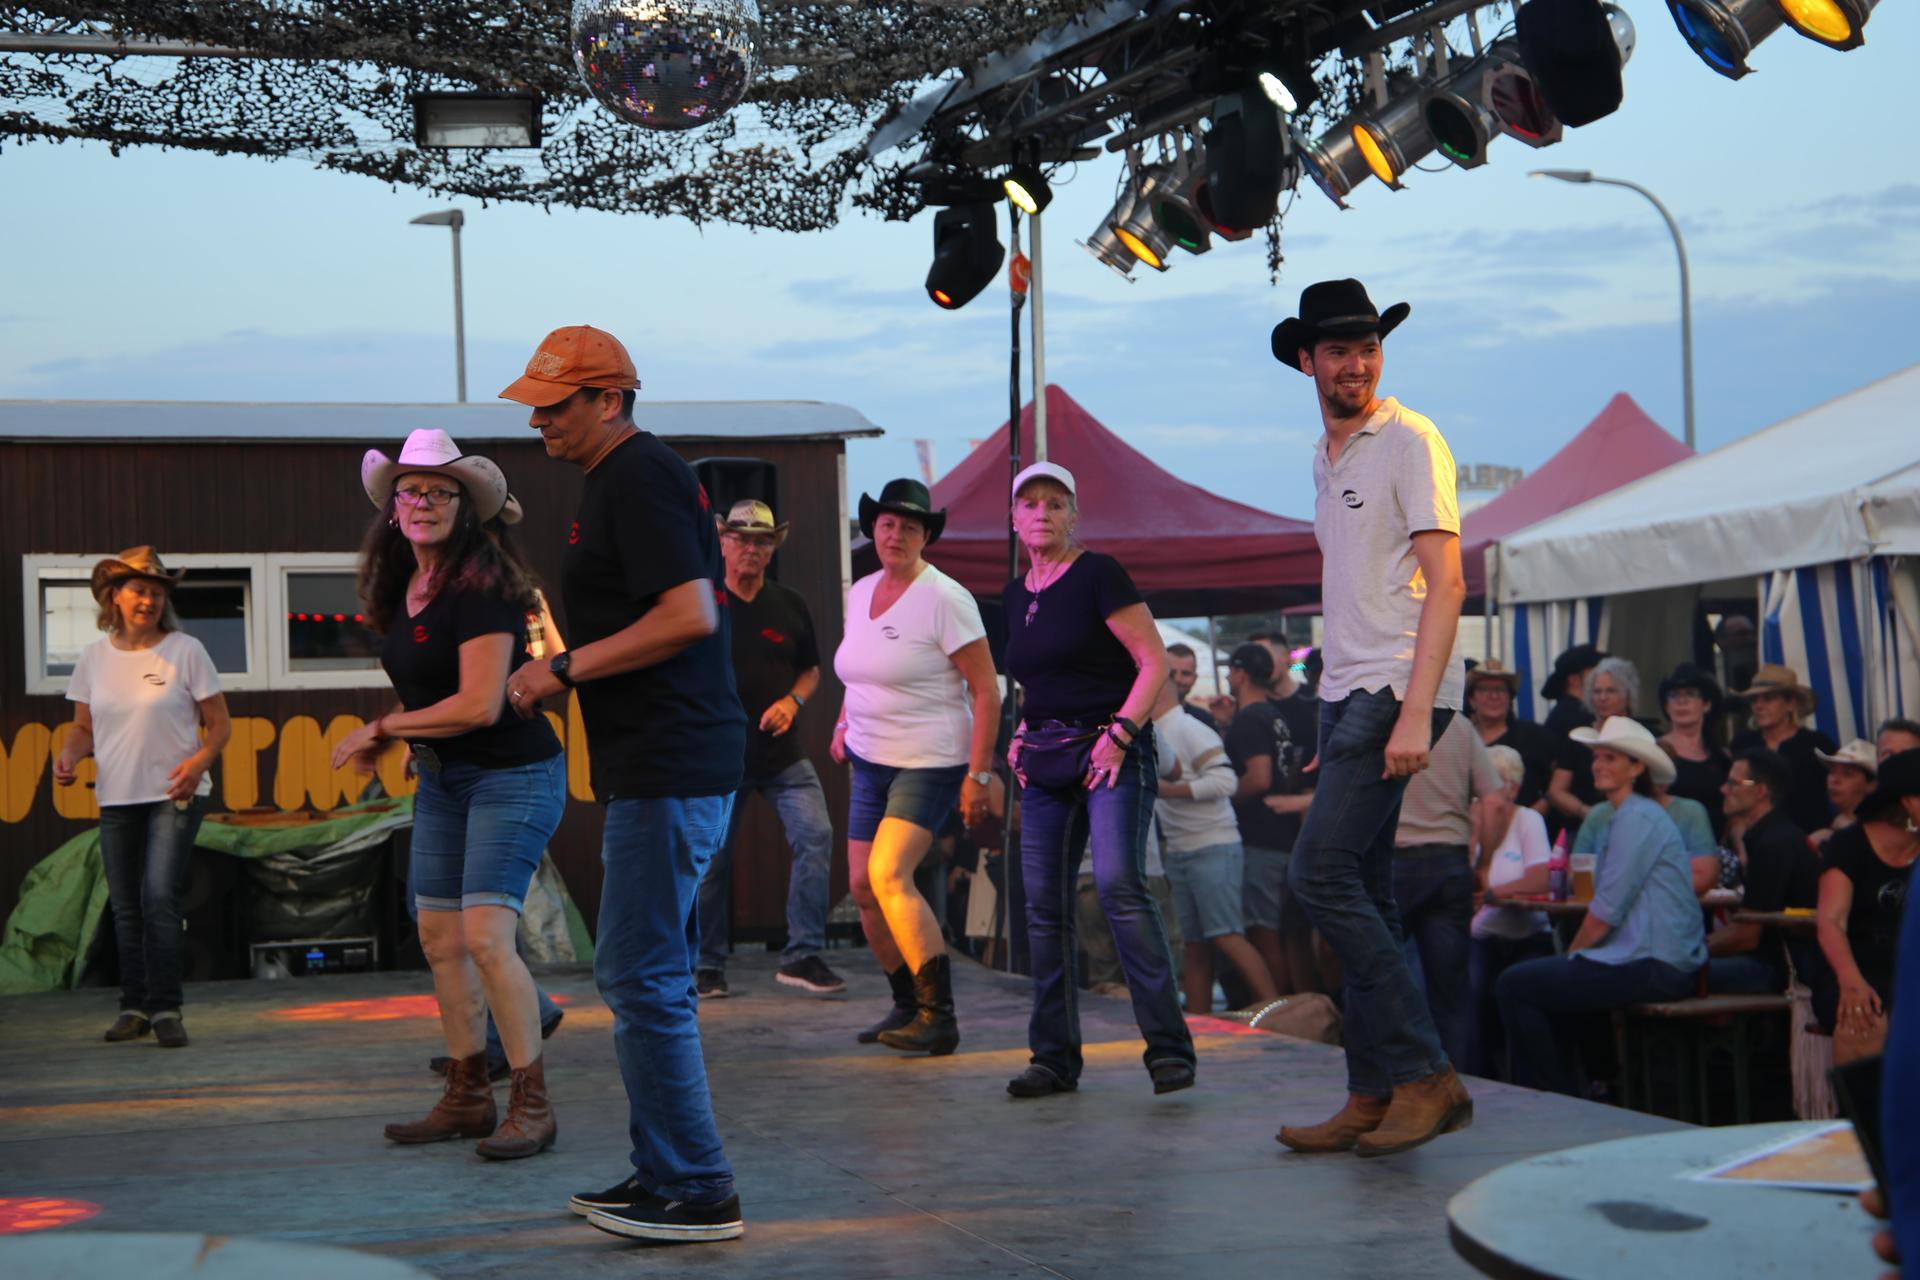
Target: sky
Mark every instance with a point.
(165, 275)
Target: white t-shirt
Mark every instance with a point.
(1524, 848)
(1207, 819)
(907, 706)
(146, 714)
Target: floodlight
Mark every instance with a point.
(966, 254)
(1461, 127)
(1277, 92)
(1246, 159)
(1575, 50)
(1027, 187)
(1510, 94)
(451, 120)
(1835, 23)
(1175, 204)
(1334, 163)
(1106, 248)
(1394, 138)
(1724, 32)
(1133, 221)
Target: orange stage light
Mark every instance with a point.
(21, 1214)
(384, 1009)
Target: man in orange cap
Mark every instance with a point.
(651, 662)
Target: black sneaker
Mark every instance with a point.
(673, 1221)
(810, 974)
(711, 984)
(128, 1026)
(552, 1024)
(621, 1195)
(169, 1030)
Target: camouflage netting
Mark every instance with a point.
(336, 89)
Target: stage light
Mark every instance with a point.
(1724, 32)
(1246, 159)
(1575, 50)
(1393, 138)
(1461, 127)
(1277, 92)
(1335, 164)
(454, 120)
(1176, 203)
(1133, 222)
(966, 254)
(1835, 23)
(1027, 187)
(1509, 93)
(1107, 250)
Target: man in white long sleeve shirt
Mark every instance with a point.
(1201, 847)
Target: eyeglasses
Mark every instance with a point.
(756, 542)
(425, 497)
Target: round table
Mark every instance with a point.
(1630, 1208)
(86, 1255)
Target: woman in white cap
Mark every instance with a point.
(141, 695)
(1088, 656)
(1851, 773)
(1642, 940)
(443, 582)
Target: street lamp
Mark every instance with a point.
(1680, 247)
(453, 219)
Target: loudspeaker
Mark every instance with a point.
(731, 480)
(1569, 47)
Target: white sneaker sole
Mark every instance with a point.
(787, 980)
(704, 1234)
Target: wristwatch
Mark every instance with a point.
(559, 665)
(982, 778)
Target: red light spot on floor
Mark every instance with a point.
(384, 1009)
(37, 1213)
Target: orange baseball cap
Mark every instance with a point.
(569, 359)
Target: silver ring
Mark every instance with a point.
(516, 695)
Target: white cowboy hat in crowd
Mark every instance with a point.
(1859, 753)
(1630, 738)
(431, 449)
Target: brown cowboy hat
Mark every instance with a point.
(1772, 677)
(135, 562)
(1492, 670)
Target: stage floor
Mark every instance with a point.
(853, 1161)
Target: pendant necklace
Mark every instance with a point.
(1033, 605)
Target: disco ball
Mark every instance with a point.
(666, 64)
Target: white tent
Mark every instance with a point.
(1819, 512)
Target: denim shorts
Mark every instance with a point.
(924, 797)
(1206, 890)
(478, 833)
(1264, 886)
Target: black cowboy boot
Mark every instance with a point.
(933, 1028)
(904, 1005)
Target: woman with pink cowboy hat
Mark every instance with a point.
(441, 579)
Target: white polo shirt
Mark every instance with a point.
(1394, 478)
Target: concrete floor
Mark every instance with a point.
(853, 1161)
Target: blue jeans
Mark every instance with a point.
(479, 833)
(1433, 888)
(797, 798)
(1342, 873)
(145, 848)
(1744, 975)
(1540, 999)
(1488, 958)
(1056, 829)
(654, 852)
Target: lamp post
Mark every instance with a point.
(1679, 247)
(453, 220)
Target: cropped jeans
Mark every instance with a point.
(1343, 871)
(145, 849)
(1058, 827)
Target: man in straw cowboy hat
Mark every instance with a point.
(1388, 524)
(1778, 702)
(648, 622)
(776, 667)
(1490, 691)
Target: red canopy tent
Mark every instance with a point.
(1621, 444)
(1189, 551)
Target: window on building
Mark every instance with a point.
(326, 630)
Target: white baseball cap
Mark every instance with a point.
(1044, 471)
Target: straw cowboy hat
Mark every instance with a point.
(1772, 677)
(1333, 309)
(905, 497)
(135, 562)
(749, 516)
(1630, 738)
(434, 450)
(1492, 670)
(1859, 753)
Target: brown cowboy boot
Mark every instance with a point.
(1420, 1112)
(529, 1127)
(1362, 1114)
(465, 1109)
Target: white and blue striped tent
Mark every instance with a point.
(1820, 513)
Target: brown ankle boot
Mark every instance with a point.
(1419, 1112)
(529, 1127)
(465, 1109)
(1361, 1115)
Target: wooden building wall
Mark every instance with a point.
(265, 497)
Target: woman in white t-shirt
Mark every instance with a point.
(141, 695)
(918, 724)
(1503, 936)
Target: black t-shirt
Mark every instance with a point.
(421, 655)
(1567, 715)
(674, 729)
(773, 643)
(1536, 753)
(1701, 780)
(1285, 730)
(1781, 872)
(1058, 646)
(1807, 801)
(1879, 898)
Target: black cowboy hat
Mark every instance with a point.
(1689, 676)
(1332, 309)
(1582, 657)
(904, 497)
(1899, 776)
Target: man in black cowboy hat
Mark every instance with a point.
(1388, 523)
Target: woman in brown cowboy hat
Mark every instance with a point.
(141, 695)
(443, 582)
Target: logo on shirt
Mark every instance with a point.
(705, 503)
(152, 678)
(1352, 499)
(772, 636)
(573, 534)
(419, 635)
(889, 633)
